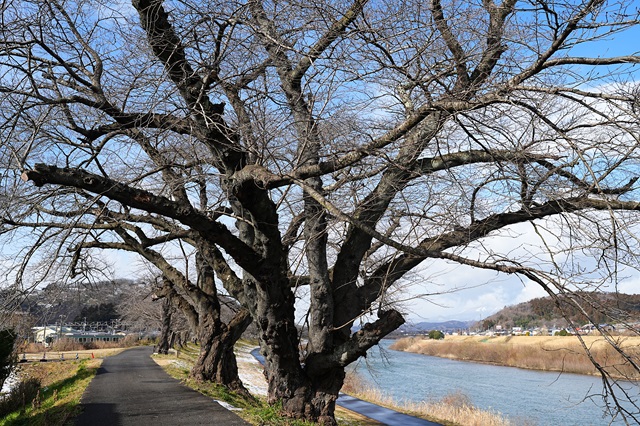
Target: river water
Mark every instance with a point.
(541, 398)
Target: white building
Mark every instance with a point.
(48, 334)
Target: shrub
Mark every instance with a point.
(65, 345)
(23, 393)
(562, 333)
(404, 343)
(436, 335)
(457, 399)
(354, 383)
(127, 342)
(31, 348)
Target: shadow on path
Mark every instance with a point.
(131, 389)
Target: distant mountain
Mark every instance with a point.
(67, 303)
(547, 312)
(543, 312)
(425, 327)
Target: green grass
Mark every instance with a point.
(253, 410)
(264, 414)
(58, 402)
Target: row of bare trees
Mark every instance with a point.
(325, 147)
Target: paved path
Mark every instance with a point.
(381, 414)
(131, 389)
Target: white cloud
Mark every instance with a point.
(460, 293)
(472, 294)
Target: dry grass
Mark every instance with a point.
(57, 401)
(536, 352)
(70, 355)
(50, 373)
(454, 409)
(70, 345)
(251, 373)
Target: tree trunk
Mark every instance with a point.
(310, 392)
(7, 354)
(165, 332)
(316, 399)
(172, 340)
(217, 361)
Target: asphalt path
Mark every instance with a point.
(131, 389)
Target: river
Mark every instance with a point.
(540, 398)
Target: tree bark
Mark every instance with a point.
(315, 400)
(165, 332)
(216, 361)
(314, 395)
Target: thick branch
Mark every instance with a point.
(327, 39)
(435, 247)
(169, 50)
(361, 341)
(147, 201)
(459, 55)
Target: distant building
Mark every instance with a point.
(50, 333)
(94, 337)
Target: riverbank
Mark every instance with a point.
(256, 411)
(545, 353)
(452, 410)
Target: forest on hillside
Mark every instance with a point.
(558, 312)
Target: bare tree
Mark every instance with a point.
(165, 331)
(198, 301)
(203, 308)
(348, 142)
(144, 315)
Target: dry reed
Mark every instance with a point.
(540, 353)
(454, 408)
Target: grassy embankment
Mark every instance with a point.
(53, 395)
(255, 411)
(547, 353)
(453, 410)
(63, 383)
(51, 391)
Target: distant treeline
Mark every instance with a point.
(548, 312)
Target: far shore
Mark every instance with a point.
(545, 353)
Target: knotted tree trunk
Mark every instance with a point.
(217, 361)
(199, 303)
(309, 390)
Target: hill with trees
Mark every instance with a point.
(559, 312)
